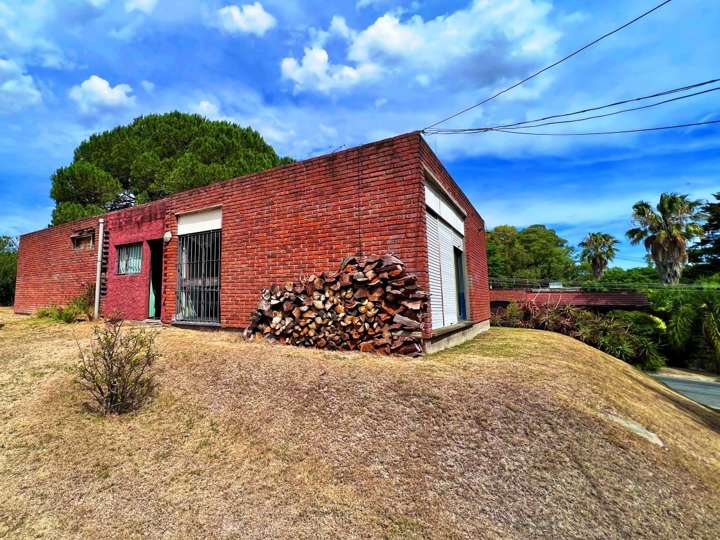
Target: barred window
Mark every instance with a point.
(129, 259)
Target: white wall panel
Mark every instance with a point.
(438, 204)
(205, 220)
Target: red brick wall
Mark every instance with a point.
(305, 217)
(49, 270)
(128, 294)
(475, 246)
(279, 224)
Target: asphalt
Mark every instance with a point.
(707, 393)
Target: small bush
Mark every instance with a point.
(117, 370)
(81, 307)
(67, 314)
(627, 338)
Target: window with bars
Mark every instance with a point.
(129, 259)
(198, 277)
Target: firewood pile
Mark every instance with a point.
(370, 304)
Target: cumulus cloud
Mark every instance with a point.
(248, 19)
(145, 6)
(207, 108)
(96, 94)
(17, 88)
(148, 86)
(488, 41)
(315, 72)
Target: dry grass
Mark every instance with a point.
(502, 437)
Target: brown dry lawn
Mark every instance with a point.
(505, 436)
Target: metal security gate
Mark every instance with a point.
(198, 286)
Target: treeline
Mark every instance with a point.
(681, 239)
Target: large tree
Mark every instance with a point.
(8, 269)
(535, 252)
(666, 231)
(155, 156)
(705, 255)
(598, 249)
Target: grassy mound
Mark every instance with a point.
(508, 435)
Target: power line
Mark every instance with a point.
(639, 130)
(525, 123)
(543, 70)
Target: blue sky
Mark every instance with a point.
(313, 76)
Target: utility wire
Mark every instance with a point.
(543, 70)
(639, 130)
(525, 123)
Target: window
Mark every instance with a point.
(82, 240)
(129, 258)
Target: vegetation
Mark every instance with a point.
(505, 434)
(155, 156)
(692, 318)
(705, 255)
(81, 307)
(666, 232)
(621, 337)
(8, 269)
(598, 249)
(535, 252)
(117, 370)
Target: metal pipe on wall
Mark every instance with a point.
(98, 270)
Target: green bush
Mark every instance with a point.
(80, 307)
(117, 370)
(614, 335)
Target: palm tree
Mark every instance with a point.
(666, 232)
(598, 249)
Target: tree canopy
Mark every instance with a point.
(598, 249)
(535, 252)
(155, 156)
(666, 231)
(8, 269)
(705, 255)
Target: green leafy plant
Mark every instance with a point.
(610, 334)
(117, 371)
(67, 314)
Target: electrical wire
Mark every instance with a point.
(616, 132)
(543, 70)
(535, 123)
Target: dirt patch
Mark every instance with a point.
(505, 436)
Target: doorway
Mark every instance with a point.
(156, 261)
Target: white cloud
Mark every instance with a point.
(146, 6)
(96, 93)
(486, 42)
(208, 109)
(248, 19)
(148, 86)
(315, 72)
(17, 88)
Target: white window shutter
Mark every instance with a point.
(436, 296)
(447, 268)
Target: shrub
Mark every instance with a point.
(80, 307)
(611, 334)
(117, 370)
(67, 314)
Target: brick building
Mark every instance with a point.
(202, 256)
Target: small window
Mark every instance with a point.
(83, 240)
(129, 258)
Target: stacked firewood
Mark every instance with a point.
(370, 304)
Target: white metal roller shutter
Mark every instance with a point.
(436, 297)
(447, 269)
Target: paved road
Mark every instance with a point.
(707, 393)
